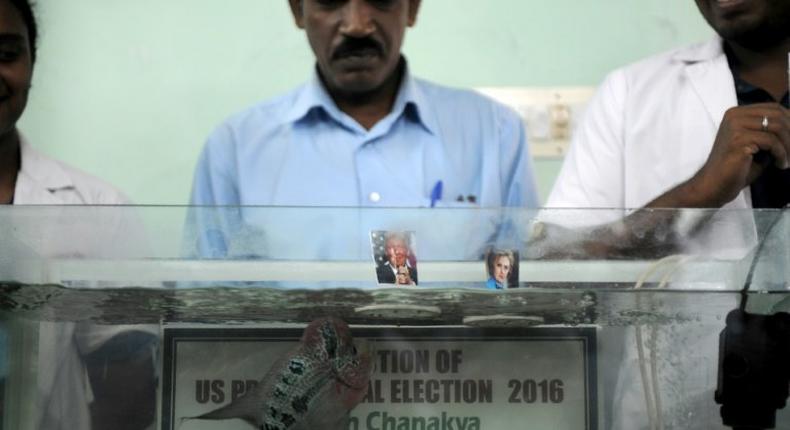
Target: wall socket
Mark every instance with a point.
(550, 114)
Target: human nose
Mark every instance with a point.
(357, 19)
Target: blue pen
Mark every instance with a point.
(436, 193)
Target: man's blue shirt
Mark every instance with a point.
(301, 150)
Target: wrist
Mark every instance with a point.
(692, 193)
(701, 192)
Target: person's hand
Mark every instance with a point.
(731, 165)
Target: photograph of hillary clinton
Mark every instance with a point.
(502, 268)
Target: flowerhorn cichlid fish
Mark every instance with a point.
(314, 386)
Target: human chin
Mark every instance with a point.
(10, 112)
(755, 36)
(357, 82)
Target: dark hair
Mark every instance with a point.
(25, 9)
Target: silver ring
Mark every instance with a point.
(765, 123)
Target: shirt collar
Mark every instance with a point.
(410, 101)
(705, 51)
(413, 101)
(42, 170)
(39, 178)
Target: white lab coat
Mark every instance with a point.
(64, 391)
(651, 126)
(44, 181)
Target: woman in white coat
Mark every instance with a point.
(65, 391)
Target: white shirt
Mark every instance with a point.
(64, 391)
(45, 181)
(649, 127)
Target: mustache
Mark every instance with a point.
(352, 46)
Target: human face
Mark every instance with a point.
(501, 269)
(397, 251)
(752, 24)
(357, 43)
(16, 67)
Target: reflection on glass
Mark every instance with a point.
(657, 309)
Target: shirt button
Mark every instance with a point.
(374, 197)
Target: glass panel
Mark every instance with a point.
(87, 293)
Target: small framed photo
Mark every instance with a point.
(502, 269)
(393, 253)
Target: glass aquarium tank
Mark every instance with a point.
(446, 318)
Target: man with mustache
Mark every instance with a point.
(364, 131)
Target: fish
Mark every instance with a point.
(313, 386)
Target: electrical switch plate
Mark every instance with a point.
(550, 114)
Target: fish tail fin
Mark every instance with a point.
(229, 411)
(182, 421)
